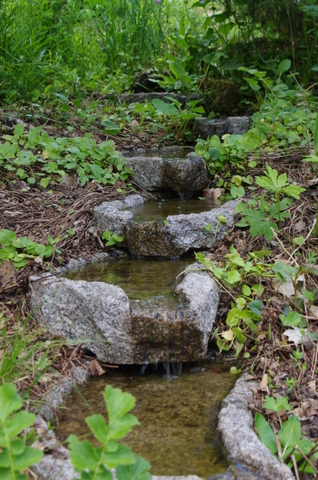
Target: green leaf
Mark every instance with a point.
(237, 192)
(294, 191)
(256, 306)
(315, 134)
(27, 458)
(82, 454)
(265, 433)
(284, 271)
(246, 290)
(239, 334)
(137, 471)
(19, 422)
(235, 371)
(110, 127)
(165, 108)
(9, 401)
(122, 456)
(233, 277)
(98, 426)
(284, 65)
(6, 237)
(208, 227)
(292, 319)
(290, 433)
(276, 405)
(62, 97)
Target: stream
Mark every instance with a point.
(178, 417)
(178, 413)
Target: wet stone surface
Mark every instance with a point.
(178, 417)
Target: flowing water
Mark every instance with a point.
(159, 210)
(149, 280)
(178, 417)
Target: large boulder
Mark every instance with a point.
(184, 175)
(205, 128)
(180, 233)
(100, 317)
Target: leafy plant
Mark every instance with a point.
(179, 116)
(15, 455)
(95, 462)
(290, 440)
(20, 251)
(246, 311)
(37, 157)
(261, 220)
(111, 238)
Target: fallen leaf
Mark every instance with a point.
(312, 386)
(213, 193)
(70, 181)
(7, 271)
(294, 335)
(95, 368)
(263, 384)
(299, 226)
(313, 311)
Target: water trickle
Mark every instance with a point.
(178, 418)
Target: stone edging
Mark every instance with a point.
(240, 440)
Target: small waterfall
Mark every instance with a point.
(185, 195)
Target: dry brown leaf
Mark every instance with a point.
(7, 271)
(263, 384)
(213, 193)
(312, 386)
(95, 368)
(313, 311)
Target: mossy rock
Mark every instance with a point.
(222, 96)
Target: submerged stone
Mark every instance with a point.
(99, 316)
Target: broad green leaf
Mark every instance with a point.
(9, 401)
(122, 456)
(290, 433)
(19, 421)
(82, 454)
(265, 433)
(118, 403)
(119, 427)
(292, 319)
(137, 471)
(27, 458)
(256, 306)
(165, 108)
(284, 65)
(276, 405)
(235, 371)
(239, 334)
(284, 271)
(294, 191)
(98, 426)
(6, 237)
(246, 290)
(228, 335)
(233, 277)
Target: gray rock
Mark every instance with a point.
(181, 233)
(240, 440)
(149, 171)
(204, 128)
(55, 467)
(181, 175)
(95, 314)
(99, 316)
(149, 96)
(114, 215)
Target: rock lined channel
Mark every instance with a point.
(120, 327)
(101, 316)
